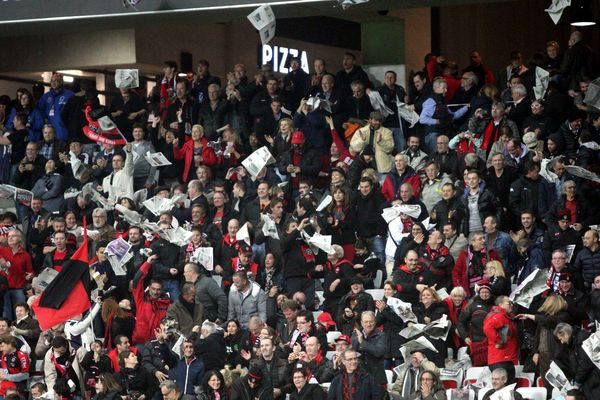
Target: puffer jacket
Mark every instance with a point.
(241, 307)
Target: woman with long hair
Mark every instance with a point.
(498, 282)
(118, 320)
(213, 386)
(230, 153)
(35, 119)
(341, 220)
(552, 312)
(281, 143)
(107, 388)
(429, 309)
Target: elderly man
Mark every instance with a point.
(119, 183)
(499, 381)
(380, 138)
(431, 191)
(471, 262)
(373, 344)
(436, 116)
(209, 345)
(246, 299)
(521, 106)
(402, 173)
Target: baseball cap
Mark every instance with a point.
(298, 137)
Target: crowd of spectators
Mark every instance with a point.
(485, 172)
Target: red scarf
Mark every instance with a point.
(346, 395)
(307, 252)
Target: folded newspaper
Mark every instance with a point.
(402, 309)
(391, 213)
(133, 217)
(416, 344)
(204, 257)
(42, 281)
(404, 113)
(243, 235)
(378, 104)
(256, 161)
(506, 393)
(437, 329)
(591, 346)
(532, 286)
(269, 229)
(157, 159)
(157, 204)
(178, 236)
(557, 378)
(89, 192)
(582, 173)
(118, 254)
(127, 78)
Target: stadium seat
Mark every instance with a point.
(452, 382)
(525, 379)
(378, 278)
(474, 373)
(389, 374)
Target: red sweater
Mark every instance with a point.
(187, 153)
(20, 265)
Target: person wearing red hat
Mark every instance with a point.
(326, 320)
(299, 161)
(243, 262)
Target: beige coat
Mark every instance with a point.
(383, 146)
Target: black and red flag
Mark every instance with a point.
(101, 127)
(66, 296)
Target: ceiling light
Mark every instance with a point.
(68, 79)
(581, 13)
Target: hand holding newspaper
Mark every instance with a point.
(269, 229)
(402, 309)
(204, 257)
(118, 254)
(416, 344)
(532, 286)
(256, 161)
(157, 159)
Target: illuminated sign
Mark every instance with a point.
(279, 57)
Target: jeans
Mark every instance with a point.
(171, 286)
(430, 142)
(12, 297)
(378, 247)
(399, 139)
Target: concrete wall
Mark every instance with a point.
(74, 51)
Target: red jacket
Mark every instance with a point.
(20, 264)
(460, 273)
(187, 153)
(149, 311)
(453, 313)
(500, 329)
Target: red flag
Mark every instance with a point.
(66, 296)
(102, 129)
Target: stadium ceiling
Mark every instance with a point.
(34, 17)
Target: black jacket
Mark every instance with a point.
(136, 380)
(310, 162)
(366, 388)
(368, 212)
(310, 391)
(211, 350)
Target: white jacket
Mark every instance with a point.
(122, 181)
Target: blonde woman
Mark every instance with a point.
(498, 282)
(431, 308)
(550, 314)
(281, 143)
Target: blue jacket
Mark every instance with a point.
(533, 259)
(35, 123)
(187, 375)
(51, 105)
(506, 250)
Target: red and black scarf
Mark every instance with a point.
(346, 395)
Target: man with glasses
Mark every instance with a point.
(444, 155)
(503, 340)
(353, 383)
